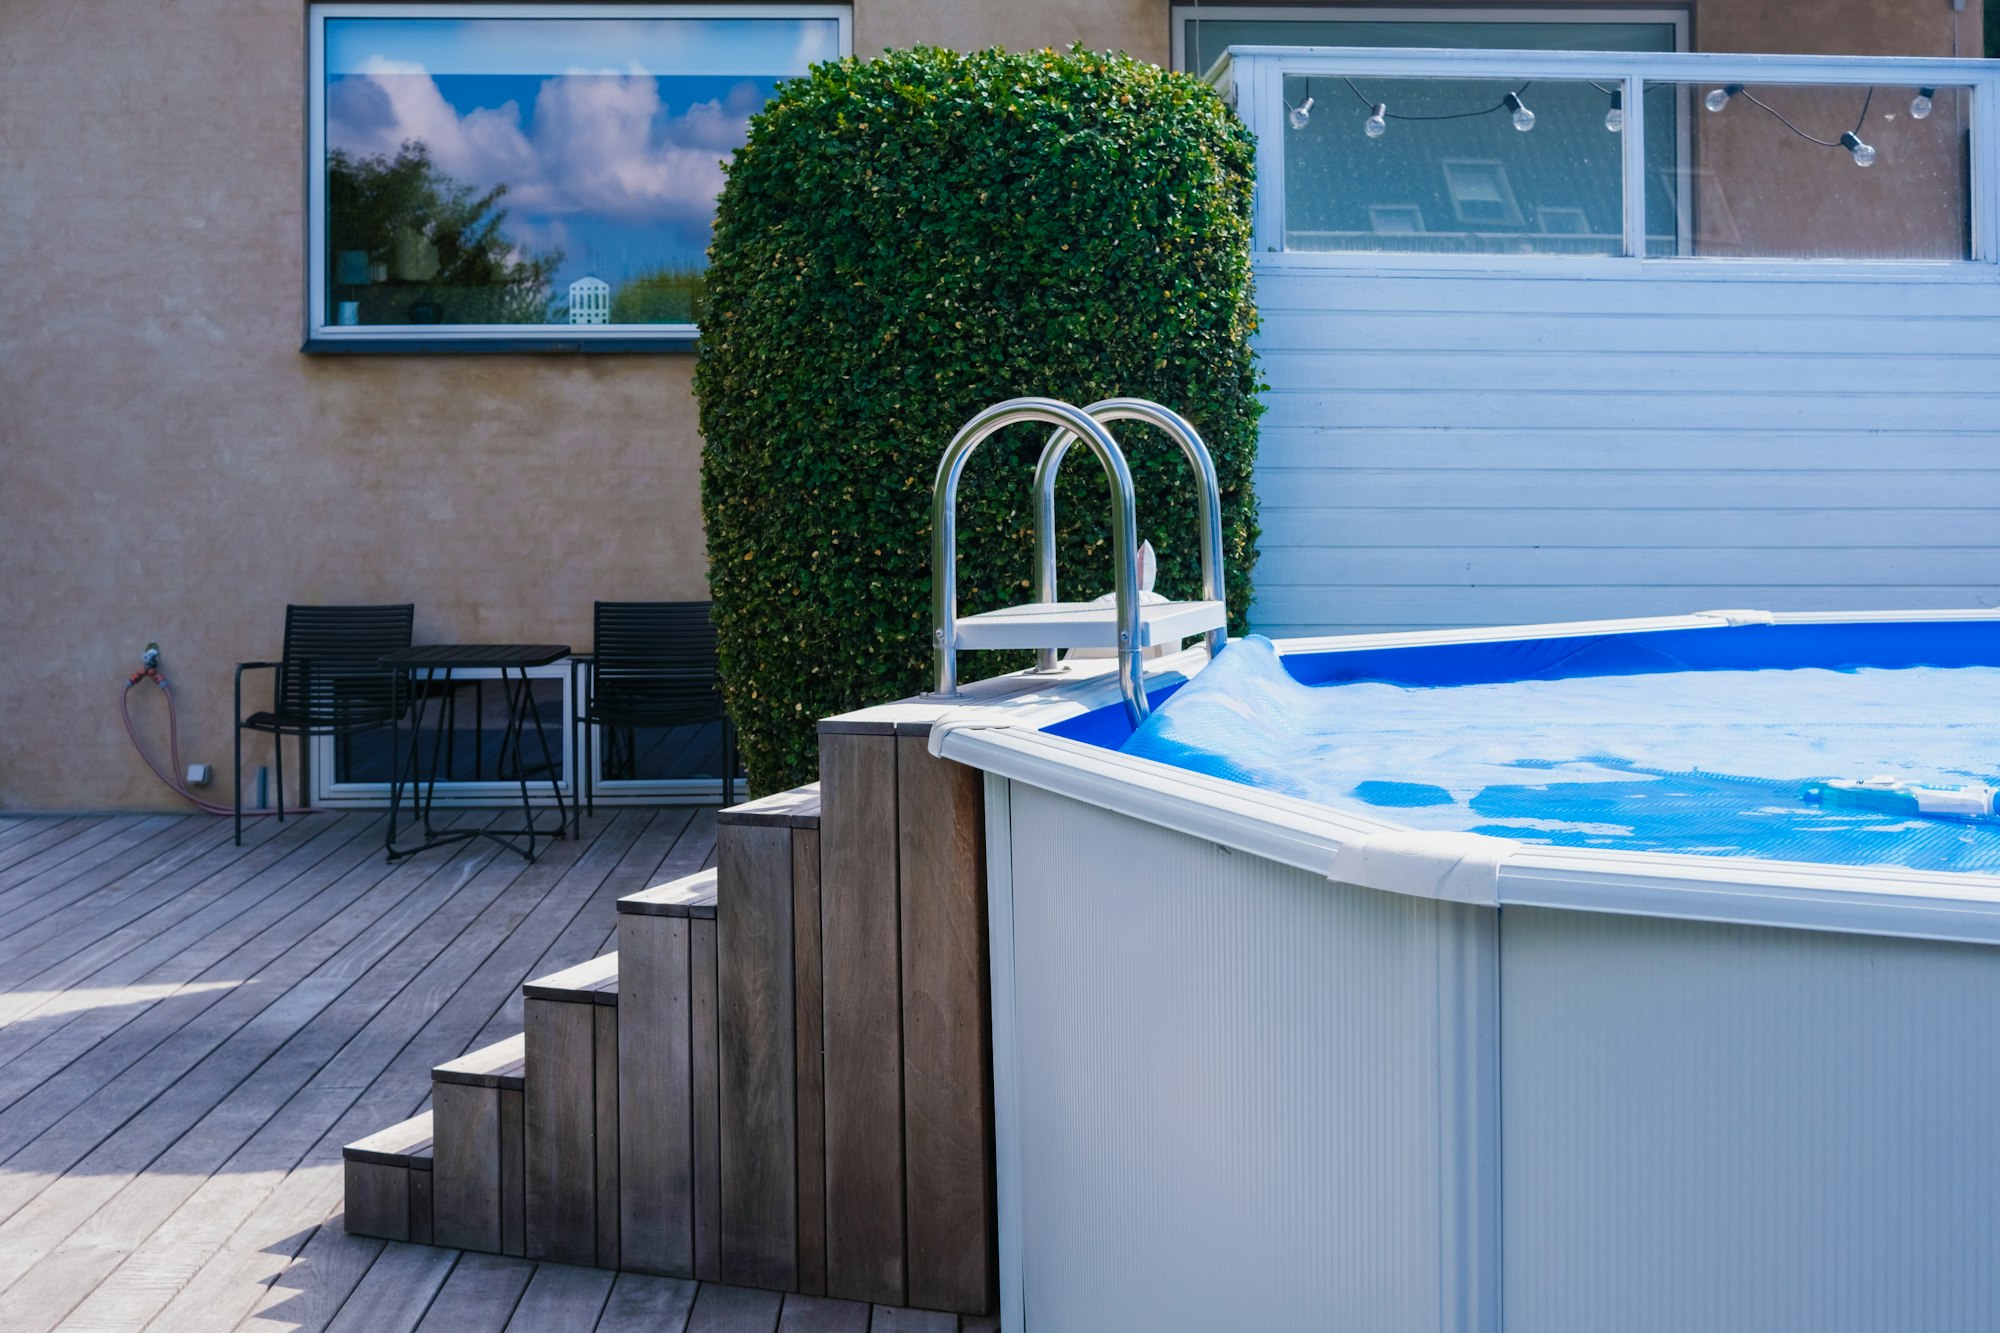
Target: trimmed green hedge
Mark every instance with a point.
(902, 242)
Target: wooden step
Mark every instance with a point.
(477, 1187)
(721, 1059)
(500, 1065)
(693, 896)
(388, 1182)
(797, 808)
(670, 1154)
(908, 1103)
(570, 1121)
(772, 1082)
(594, 982)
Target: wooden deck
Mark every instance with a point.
(189, 1032)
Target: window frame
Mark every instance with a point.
(322, 336)
(1184, 14)
(1250, 80)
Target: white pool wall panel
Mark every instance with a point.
(1736, 1128)
(1531, 1089)
(1246, 1095)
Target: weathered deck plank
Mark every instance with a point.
(138, 1174)
(723, 1309)
(480, 1296)
(37, 852)
(561, 1297)
(30, 901)
(643, 1304)
(821, 1314)
(33, 1099)
(192, 929)
(405, 1081)
(209, 1122)
(181, 905)
(399, 1287)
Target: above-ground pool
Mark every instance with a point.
(1668, 742)
(1384, 984)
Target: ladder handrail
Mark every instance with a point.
(1076, 423)
(1183, 433)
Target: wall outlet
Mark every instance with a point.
(200, 775)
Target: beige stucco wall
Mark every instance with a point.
(174, 469)
(1839, 27)
(1136, 26)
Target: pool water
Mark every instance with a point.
(1702, 762)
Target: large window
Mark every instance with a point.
(517, 175)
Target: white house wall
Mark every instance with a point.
(1451, 447)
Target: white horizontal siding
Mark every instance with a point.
(1464, 448)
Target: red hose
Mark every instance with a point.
(172, 779)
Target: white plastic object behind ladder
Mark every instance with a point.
(1128, 626)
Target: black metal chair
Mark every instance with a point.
(652, 664)
(330, 682)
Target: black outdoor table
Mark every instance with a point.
(437, 662)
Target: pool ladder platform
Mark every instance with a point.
(1130, 623)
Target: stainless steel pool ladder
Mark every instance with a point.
(1128, 625)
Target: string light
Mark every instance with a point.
(1862, 153)
(1379, 114)
(1718, 98)
(1523, 118)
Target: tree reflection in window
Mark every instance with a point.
(410, 245)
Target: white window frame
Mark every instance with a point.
(322, 334)
(1252, 79)
(1186, 14)
(458, 794)
(455, 795)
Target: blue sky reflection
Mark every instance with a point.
(608, 133)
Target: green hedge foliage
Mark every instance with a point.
(902, 242)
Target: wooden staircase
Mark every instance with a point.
(780, 1079)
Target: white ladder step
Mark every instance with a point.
(1086, 625)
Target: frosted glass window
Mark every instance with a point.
(1752, 186)
(1447, 169)
(1563, 177)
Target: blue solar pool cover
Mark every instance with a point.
(1696, 742)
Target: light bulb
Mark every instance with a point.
(1377, 124)
(1524, 119)
(1614, 119)
(1718, 98)
(1864, 154)
(1920, 105)
(1301, 113)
